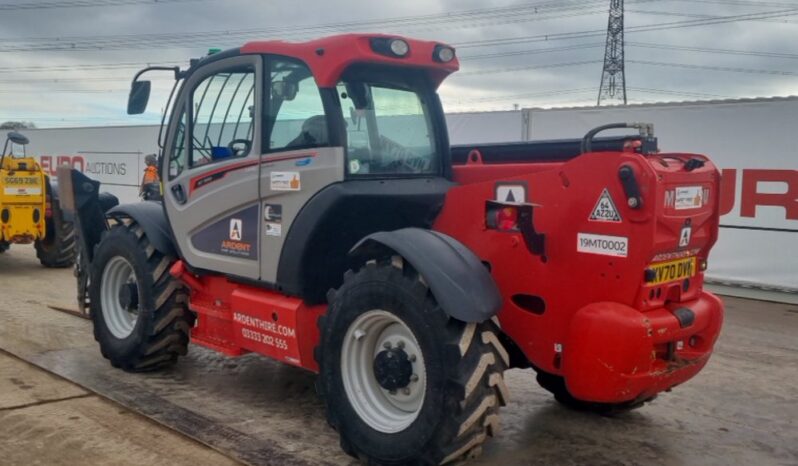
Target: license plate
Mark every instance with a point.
(673, 270)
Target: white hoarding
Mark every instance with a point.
(753, 143)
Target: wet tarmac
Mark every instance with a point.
(741, 409)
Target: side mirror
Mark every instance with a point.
(285, 90)
(138, 98)
(18, 138)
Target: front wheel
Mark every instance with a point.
(403, 382)
(140, 312)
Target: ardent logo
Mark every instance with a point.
(235, 229)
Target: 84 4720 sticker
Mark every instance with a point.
(605, 210)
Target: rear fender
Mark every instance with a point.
(461, 284)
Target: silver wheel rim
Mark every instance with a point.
(383, 410)
(120, 320)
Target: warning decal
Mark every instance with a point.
(605, 210)
(511, 193)
(273, 215)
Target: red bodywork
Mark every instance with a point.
(593, 319)
(610, 334)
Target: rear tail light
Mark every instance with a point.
(512, 218)
(507, 219)
(502, 217)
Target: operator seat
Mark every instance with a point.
(313, 133)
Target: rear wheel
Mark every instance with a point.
(140, 313)
(556, 385)
(57, 248)
(4, 246)
(404, 383)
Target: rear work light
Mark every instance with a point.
(398, 48)
(443, 54)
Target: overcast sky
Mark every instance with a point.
(86, 82)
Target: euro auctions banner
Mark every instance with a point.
(113, 155)
(753, 142)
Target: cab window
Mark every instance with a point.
(223, 111)
(388, 124)
(296, 111)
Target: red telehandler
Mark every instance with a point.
(315, 213)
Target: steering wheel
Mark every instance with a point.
(242, 151)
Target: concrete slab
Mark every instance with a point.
(22, 385)
(740, 410)
(90, 430)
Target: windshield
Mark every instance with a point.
(388, 124)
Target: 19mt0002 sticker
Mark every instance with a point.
(615, 246)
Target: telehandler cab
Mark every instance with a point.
(28, 211)
(314, 213)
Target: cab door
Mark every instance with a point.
(211, 167)
(299, 157)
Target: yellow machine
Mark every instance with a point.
(27, 211)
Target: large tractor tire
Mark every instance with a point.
(556, 386)
(57, 249)
(4, 246)
(140, 312)
(404, 383)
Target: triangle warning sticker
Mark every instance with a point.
(605, 210)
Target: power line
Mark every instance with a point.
(530, 52)
(78, 67)
(530, 8)
(678, 93)
(526, 95)
(754, 53)
(528, 67)
(643, 28)
(697, 15)
(715, 68)
(741, 3)
(83, 3)
(503, 15)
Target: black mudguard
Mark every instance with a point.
(461, 284)
(152, 218)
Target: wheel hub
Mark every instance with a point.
(129, 296)
(393, 369)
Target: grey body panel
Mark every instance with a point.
(317, 168)
(459, 281)
(208, 204)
